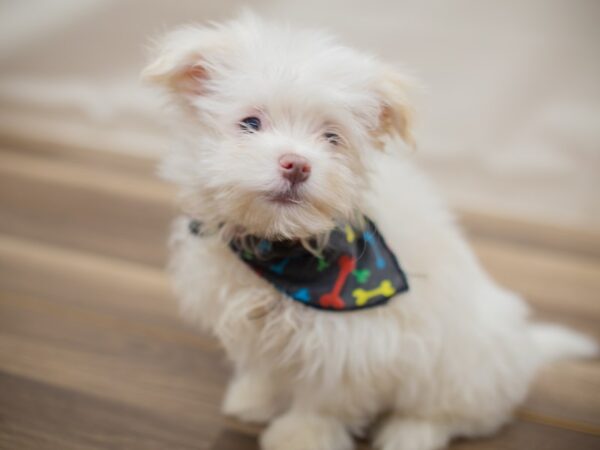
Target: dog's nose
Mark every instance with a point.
(294, 168)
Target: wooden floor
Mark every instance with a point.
(93, 355)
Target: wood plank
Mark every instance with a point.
(567, 395)
(583, 242)
(235, 440)
(103, 159)
(95, 153)
(527, 435)
(39, 416)
(93, 282)
(76, 176)
(86, 208)
(562, 288)
(557, 283)
(143, 370)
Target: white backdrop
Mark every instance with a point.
(510, 123)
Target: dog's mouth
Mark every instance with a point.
(286, 197)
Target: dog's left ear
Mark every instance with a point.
(396, 114)
(186, 59)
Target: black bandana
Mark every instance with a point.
(356, 269)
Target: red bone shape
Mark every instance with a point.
(332, 299)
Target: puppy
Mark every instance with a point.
(330, 270)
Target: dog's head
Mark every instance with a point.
(275, 126)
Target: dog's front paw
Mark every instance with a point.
(250, 399)
(403, 433)
(306, 432)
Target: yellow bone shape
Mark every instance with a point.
(350, 236)
(362, 296)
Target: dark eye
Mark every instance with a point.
(250, 124)
(332, 138)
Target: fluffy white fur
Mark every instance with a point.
(452, 357)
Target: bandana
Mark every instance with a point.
(355, 270)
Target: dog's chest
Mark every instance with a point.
(256, 321)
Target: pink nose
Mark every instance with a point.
(294, 168)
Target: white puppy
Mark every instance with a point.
(284, 135)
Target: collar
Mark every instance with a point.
(355, 270)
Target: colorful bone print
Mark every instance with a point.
(361, 275)
(332, 299)
(356, 269)
(280, 266)
(370, 239)
(322, 264)
(302, 294)
(350, 235)
(362, 296)
(264, 246)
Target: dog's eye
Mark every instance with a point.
(332, 138)
(250, 124)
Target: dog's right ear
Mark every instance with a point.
(185, 59)
(397, 113)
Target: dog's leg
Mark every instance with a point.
(402, 432)
(306, 431)
(251, 397)
(399, 433)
